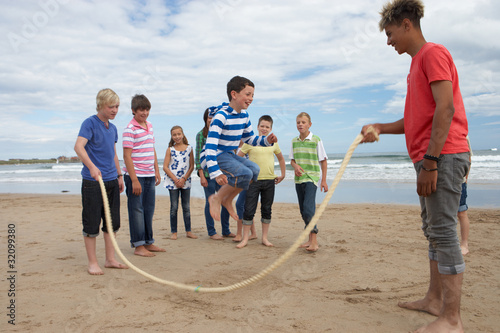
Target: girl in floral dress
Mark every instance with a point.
(178, 166)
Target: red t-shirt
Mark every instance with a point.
(432, 63)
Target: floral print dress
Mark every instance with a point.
(179, 165)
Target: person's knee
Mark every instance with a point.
(247, 173)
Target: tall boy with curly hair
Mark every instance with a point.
(435, 127)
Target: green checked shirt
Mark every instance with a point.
(200, 143)
(307, 154)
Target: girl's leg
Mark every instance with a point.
(174, 206)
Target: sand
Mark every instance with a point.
(371, 256)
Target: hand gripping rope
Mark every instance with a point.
(284, 257)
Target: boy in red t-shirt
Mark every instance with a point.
(435, 128)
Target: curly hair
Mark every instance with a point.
(396, 11)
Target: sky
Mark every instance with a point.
(327, 58)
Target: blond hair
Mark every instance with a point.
(106, 97)
(304, 114)
(396, 11)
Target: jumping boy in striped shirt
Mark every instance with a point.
(231, 124)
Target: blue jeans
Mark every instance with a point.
(306, 193)
(140, 210)
(439, 213)
(211, 188)
(238, 170)
(240, 204)
(174, 207)
(266, 190)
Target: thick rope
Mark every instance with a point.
(278, 262)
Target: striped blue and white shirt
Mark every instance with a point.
(228, 127)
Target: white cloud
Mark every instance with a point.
(301, 55)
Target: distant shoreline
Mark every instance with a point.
(36, 161)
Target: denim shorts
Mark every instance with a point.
(238, 170)
(439, 213)
(93, 207)
(463, 199)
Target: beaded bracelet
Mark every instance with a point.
(432, 158)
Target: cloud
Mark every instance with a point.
(302, 55)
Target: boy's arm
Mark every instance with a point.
(211, 146)
(297, 168)
(324, 166)
(250, 138)
(282, 163)
(80, 144)
(127, 158)
(397, 127)
(442, 91)
(244, 150)
(323, 163)
(157, 171)
(121, 186)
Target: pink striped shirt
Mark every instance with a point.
(141, 141)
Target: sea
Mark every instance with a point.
(369, 178)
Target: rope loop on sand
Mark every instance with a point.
(278, 262)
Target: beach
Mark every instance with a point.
(371, 256)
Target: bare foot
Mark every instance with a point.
(143, 252)
(214, 203)
(114, 264)
(154, 248)
(465, 249)
(266, 243)
(312, 248)
(242, 244)
(442, 325)
(424, 305)
(189, 234)
(237, 238)
(94, 270)
(216, 237)
(231, 235)
(305, 245)
(174, 236)
(252, 237)
(228, 204)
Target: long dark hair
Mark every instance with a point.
(205, 117)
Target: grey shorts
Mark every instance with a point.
(439, 211)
